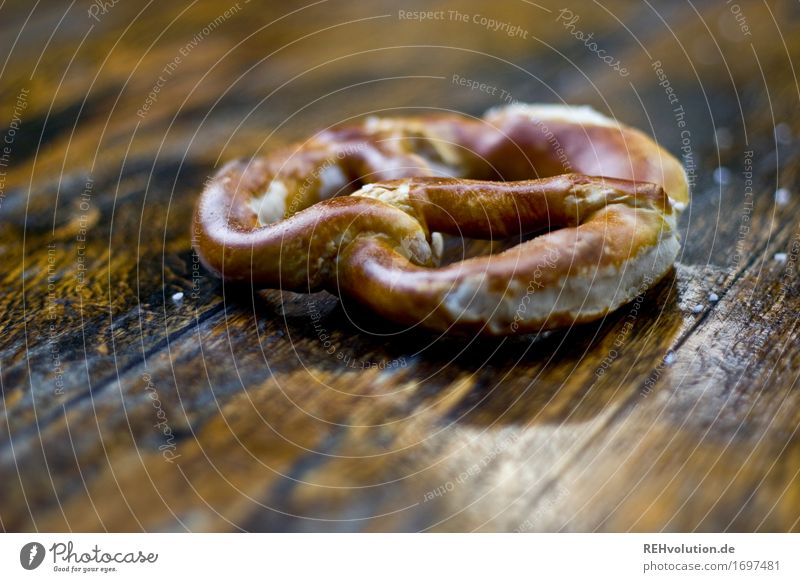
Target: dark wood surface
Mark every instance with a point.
(126, 409)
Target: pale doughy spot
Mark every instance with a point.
(578, 114)
(271, 206)
(331, 181)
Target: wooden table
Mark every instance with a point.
(139, 394)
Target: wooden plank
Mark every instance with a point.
(715, 447)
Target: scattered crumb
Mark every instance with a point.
(697, 308)
(780, 257)
(669, 359)
(713, 297)
(782, 196)
(722, 175)
(177, 298)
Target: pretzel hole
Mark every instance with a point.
(458, 248)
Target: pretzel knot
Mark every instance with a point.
(359, 211)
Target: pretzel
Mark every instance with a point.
(358, 211)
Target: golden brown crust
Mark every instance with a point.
(287, 220)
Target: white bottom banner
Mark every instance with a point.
(390, 557)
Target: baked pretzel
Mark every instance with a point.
(357, 210)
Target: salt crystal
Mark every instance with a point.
(780, 257)
(713, 297)
(782, 196)
(722, 175)
(178, 297)
(669, 359)
(697, 309)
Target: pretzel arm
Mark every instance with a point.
(296, 253)
(569, 275)
(491, 210)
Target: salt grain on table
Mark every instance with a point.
(782, 196)
(722, 175)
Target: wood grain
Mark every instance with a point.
(125, 409)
